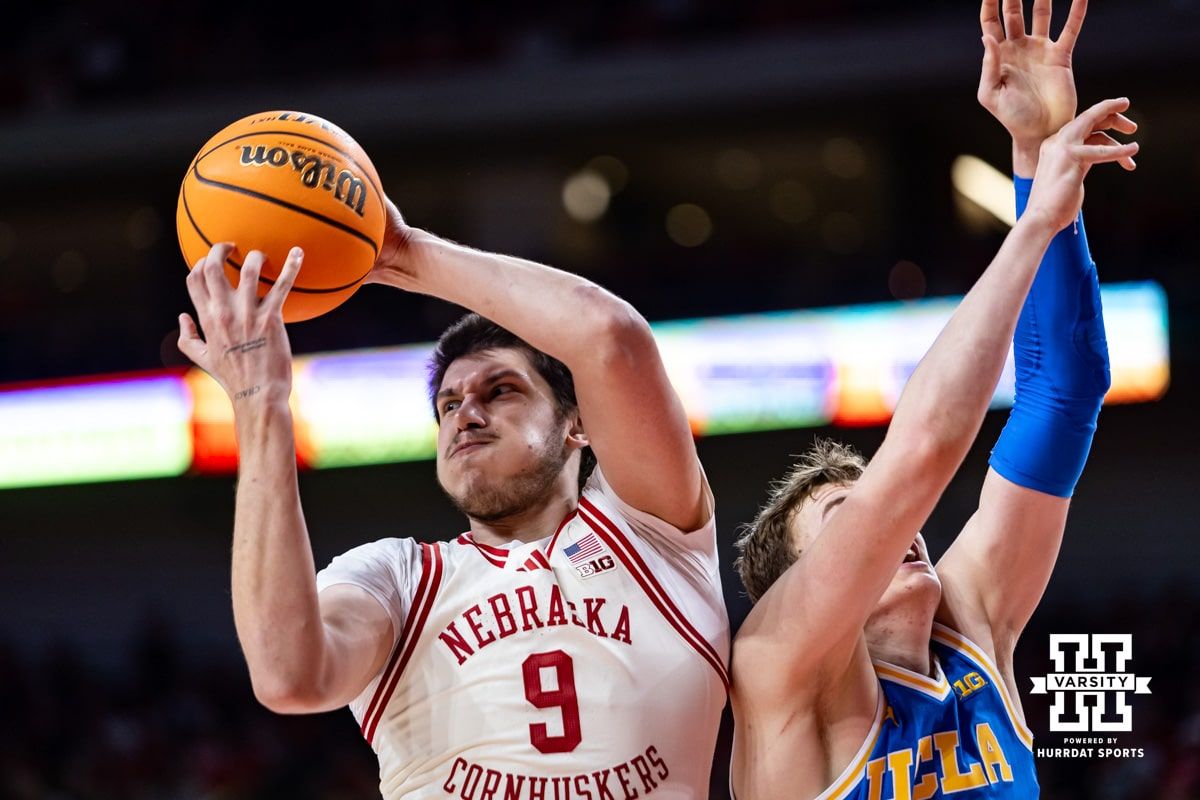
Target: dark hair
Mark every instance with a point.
(473, 334)
(765, 545)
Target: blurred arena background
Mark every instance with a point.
(699, 158)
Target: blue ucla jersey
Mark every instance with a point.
(957, 734)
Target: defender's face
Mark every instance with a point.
(499, 432)
(914, 577)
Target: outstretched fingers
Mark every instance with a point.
(989, 19)
(248, 282)
(990, 78)
(1041, 18)
(1014, 19)
(213, 270)
(195, 284)
(283, 284)
(1070, 32)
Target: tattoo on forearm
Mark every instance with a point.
(247, 392)
(246, 347)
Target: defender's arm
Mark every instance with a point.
(996, 571)
(809, 624)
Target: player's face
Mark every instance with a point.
(503, 445)
(915, 588)
(915, 579)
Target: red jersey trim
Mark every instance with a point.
(561, 525)
(427, 589)
(624, 550)
(493, 555)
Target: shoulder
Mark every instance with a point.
(389, 569)
(604, 510)
(387, 554)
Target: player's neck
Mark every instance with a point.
(529, 525)
(901, 637)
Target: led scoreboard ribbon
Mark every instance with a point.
(793, 369)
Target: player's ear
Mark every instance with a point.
(577, 437)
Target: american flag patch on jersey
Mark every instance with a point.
(579, 551)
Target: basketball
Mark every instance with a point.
(279, 179)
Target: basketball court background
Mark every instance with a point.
(811, 148)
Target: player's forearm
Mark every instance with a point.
(1062, 367)
(564, 315)
(274, 589)
(948, 394)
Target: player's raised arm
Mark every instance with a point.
(303, 654)
(633, 419)
(802, 633)
(996, 571)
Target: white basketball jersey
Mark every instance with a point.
(589, 665)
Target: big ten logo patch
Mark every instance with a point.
(968, 684)
(1091, 669)
(596, 566)
(589, 556)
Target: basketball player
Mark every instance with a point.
(863, 671)
(574, 641)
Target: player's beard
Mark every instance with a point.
(491, 500)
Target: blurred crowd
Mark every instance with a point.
(168, 726)
(164, 728)
(76, 54)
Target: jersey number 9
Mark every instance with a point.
(562, 697)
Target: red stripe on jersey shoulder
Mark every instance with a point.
(561, 525)
(418, 613)
(624, 550)
(489, 553)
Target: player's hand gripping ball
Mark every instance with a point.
(279, 179)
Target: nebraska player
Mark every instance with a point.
(573, 643)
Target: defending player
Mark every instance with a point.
(574, 642)
(863, 671)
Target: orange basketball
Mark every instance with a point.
(278, 179)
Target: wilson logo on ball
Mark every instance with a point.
(346, 187)
(282, 179)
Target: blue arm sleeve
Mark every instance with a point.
(1062, 368)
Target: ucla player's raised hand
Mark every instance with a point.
(1027, 82)
(1067, 156)
(244, 346)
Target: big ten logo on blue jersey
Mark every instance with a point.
(968, 684)
(938, 765)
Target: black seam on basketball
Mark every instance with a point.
(187, 210)
(342, 153)
(333, 223)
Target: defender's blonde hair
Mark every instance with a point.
(765, 545)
